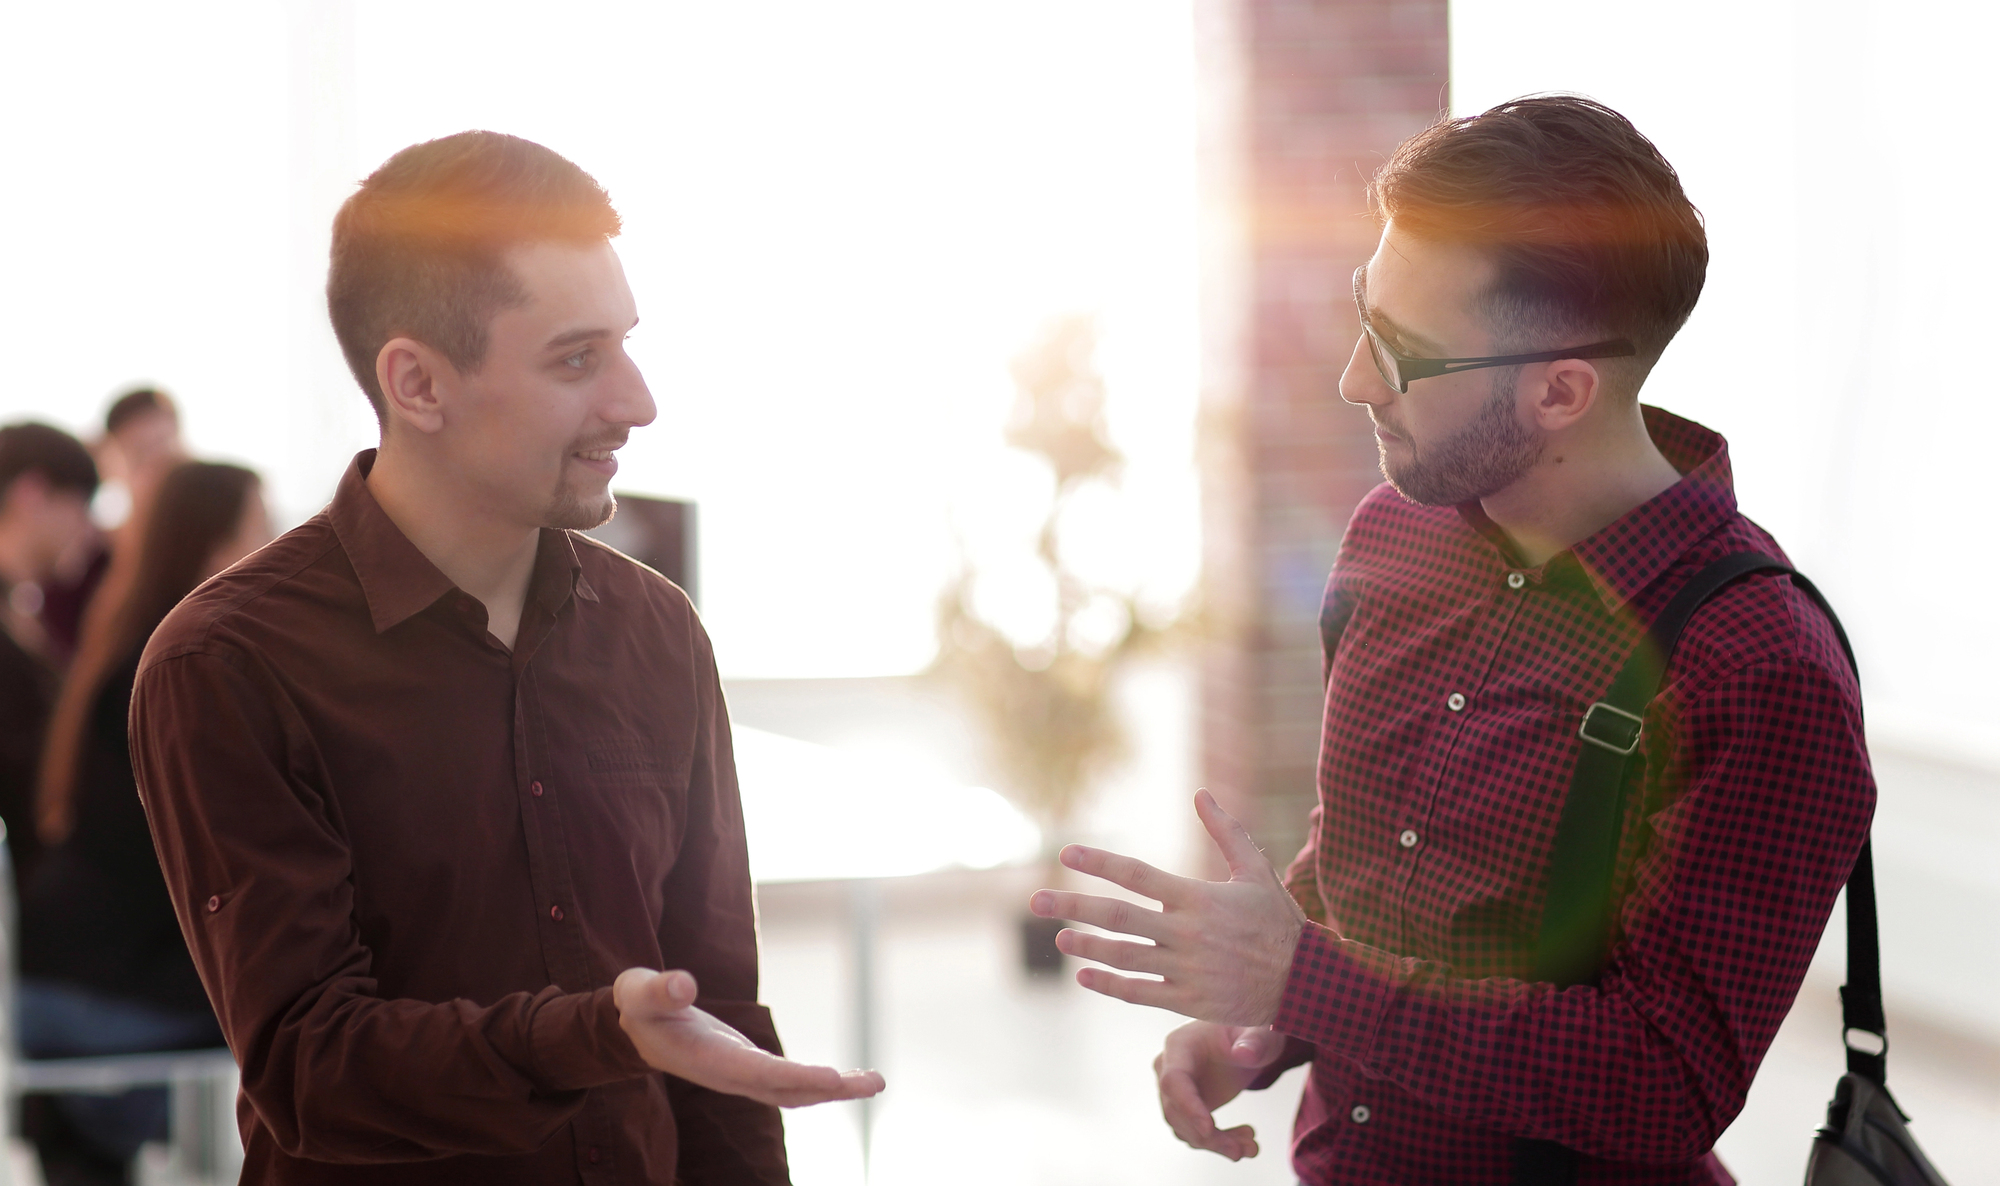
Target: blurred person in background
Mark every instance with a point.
(439, 784)
(141, 442)
(47, 479)
(1534, 262)
(140, 446)
(104, 969)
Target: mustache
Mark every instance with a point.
(617, 442)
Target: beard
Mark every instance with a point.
(569, 511)
(1482, 458)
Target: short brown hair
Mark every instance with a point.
(1585, 219)
(417, 250)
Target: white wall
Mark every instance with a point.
(1842, 151)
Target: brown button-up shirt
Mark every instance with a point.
(409, 862)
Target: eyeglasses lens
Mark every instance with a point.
(1385, 362)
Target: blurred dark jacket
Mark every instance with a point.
(27, 694)
(95, 912)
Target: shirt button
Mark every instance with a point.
(1408, 839)
(1515, 580)
(1360, 1113)
(1455, 701)
(593, 1155)
(215, 904)
(555, 912)
(535, 789)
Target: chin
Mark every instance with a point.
(570, 511)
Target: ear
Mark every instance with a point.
(1568, 390)
(417, 383)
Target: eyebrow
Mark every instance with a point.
(1386, 325)
(576, 336)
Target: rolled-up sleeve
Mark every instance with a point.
(262, 880)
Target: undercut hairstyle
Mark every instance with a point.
(136, 403)
(1586, 221)
(419, 250)
(58, 457)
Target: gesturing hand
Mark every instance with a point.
(656, 1010)
(1222, 948)
(1203, 1067)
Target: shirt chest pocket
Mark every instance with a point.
(640, 797)
(625, 761)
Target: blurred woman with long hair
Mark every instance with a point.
(104, 969)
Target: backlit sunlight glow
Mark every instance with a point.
(842, 222)
(814, 813)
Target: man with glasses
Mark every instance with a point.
(1534, 262)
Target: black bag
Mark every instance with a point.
(1864, 1142)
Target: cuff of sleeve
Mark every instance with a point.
(1338, 992)
(1296, 1053)
(577, 1043)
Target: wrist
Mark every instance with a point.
(1268, 995)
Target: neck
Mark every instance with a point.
(487, 556)
(1589, 477)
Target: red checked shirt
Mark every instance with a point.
(1452, 707)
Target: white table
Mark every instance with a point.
(814, 813)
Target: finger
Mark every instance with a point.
(1113, 914)
(1194, 1124)
(841, 1085)
(1257, 1047)
(1242, 1142)
(1132, 957)
(1130, 872)
(1241, 852)
(1156, 993)
(773, 1080)
(1186, 1114)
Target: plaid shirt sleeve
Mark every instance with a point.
(1723, 915)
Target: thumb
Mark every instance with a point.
(1256, 1047)
(647, 992)
(674, 990)
(1238, 849)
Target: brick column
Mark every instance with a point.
(1303, 100)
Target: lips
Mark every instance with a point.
(601, 460)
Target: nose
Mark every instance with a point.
(1361, 383)
(628, 400)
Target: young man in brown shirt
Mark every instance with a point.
(437, 782)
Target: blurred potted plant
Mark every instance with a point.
(1045, 706)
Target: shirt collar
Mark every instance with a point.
(1622, 559)
(1630, 554)
(398, 581)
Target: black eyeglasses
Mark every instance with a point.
(1399, 370)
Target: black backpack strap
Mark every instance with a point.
(1861, 996)
(1577, 915)
(1576, 919)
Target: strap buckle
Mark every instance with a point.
(1616, 729)
(1881, 1041)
